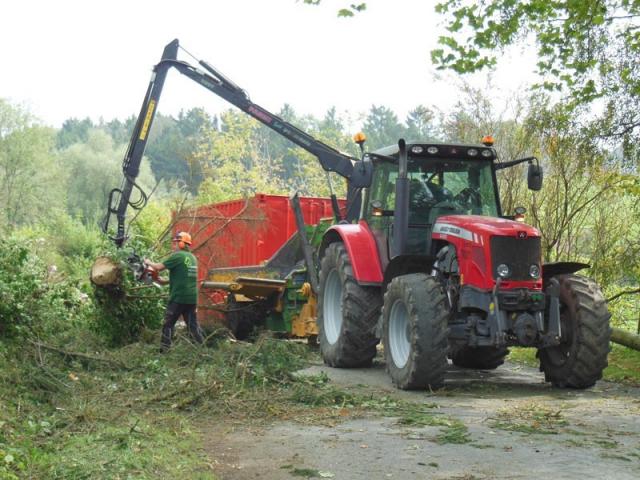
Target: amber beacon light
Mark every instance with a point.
(487, 140)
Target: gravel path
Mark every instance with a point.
(518, 427)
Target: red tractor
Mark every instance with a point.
(436, 271)
(422, 257)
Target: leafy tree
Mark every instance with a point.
(581, 193)
(331, 129)
(92, 168)
(382, 127)
(193, 122)
(589, 49)
(171, 147)
(310, 178)
(244, 157)
(29, 180)
(239, 164)
(167, 150)
(281, 151)
(421, 124)
(120, 131)
(347, 11)
(73, 131)
(475, 116)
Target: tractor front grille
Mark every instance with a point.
(518, 253)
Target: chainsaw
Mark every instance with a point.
(142, 273)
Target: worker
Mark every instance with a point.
(183, 289)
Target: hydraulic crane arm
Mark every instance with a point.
(357, 172)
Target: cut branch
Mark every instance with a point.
(78, 355)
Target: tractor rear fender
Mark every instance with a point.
(550, 270)
(362, 250)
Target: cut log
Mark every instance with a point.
(625, 338)
(106, 272)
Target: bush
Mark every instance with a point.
(66, 244)
(152, 223)
(30, 300)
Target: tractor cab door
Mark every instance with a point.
(383, 192)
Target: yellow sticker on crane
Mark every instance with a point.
(147, 120)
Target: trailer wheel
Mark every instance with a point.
(240, 324)
(347, 313)
(579, 360)
(415, 332)
(480, 358)
(240, 320)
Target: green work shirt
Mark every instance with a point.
(183, 277)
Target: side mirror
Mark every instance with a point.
(534, 177)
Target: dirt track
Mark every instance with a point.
(518, 427)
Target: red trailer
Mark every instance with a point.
(242, 233)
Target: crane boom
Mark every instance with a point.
(357, 172)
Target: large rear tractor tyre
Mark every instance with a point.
(415, 331)
(579, 360)
(480, 358)
(347, 313)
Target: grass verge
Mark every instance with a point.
(624, 363)
(132, 413)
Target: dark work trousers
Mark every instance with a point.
(171, 316)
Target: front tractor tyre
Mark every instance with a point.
(581, 357)
(415, 331)
(347, 313)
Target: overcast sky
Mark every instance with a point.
(72, 58)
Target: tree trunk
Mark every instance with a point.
(625, 338)
(106, 272)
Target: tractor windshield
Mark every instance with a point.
(437, 187)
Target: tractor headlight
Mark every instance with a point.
(503, 270)
(534, 271)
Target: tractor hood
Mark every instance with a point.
(470, 227)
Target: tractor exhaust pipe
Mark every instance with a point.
(401, 213)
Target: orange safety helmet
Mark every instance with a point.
(183, 238)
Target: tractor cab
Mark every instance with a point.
(442, 180)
